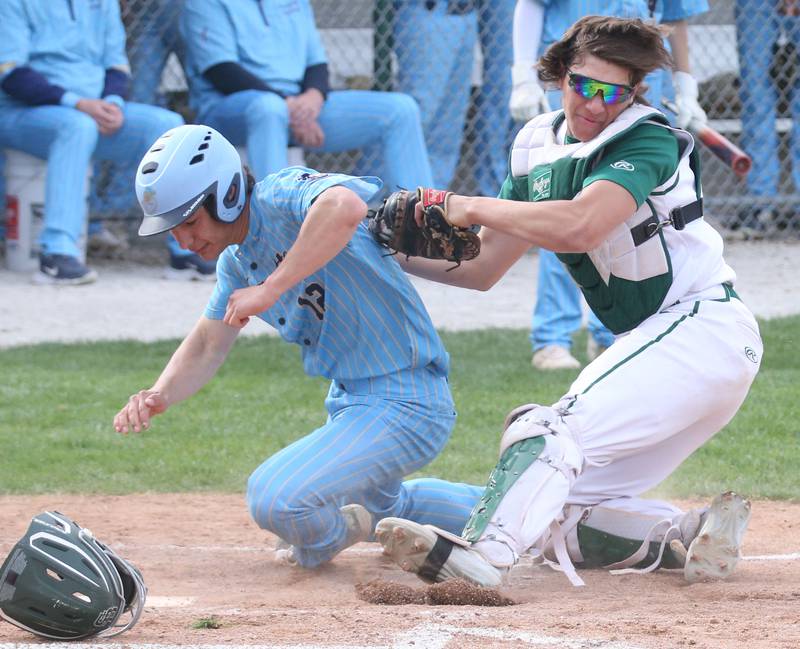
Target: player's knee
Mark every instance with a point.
(561, 445)
(166, 119)
(404, 108)
(267, 108)
(269, 507)
(80, 132)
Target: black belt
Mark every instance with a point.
(678, 218)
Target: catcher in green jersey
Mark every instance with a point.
(614, 190)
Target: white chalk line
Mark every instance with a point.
(428, 635)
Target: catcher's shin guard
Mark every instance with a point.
(528, 489)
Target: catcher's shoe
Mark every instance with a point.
(434, 555)
(715, 551)
(359, 528)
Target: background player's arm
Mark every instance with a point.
(192, 365)
(326, 229)
(686, 90)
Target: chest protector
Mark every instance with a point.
(626, 279)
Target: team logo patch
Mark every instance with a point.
(540, 184)
(106, 617)
(623, 165)
(307, 176)
(149, 202)
(751, 355)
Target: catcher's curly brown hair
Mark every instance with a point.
(630, 43)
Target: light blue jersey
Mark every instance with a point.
(358, 321)
(278, 52)
(71, 42)
(357, 317)
(561, 14)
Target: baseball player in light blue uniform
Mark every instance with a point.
(434, 41)
(296, 253)
(760, 26)
(558, 312)
(258, 73)
(64, 75)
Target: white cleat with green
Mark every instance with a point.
(433, 554)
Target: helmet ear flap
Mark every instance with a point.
(231, 196)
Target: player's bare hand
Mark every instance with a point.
(305, 107)
(308, 134)
(136, 414)
(246, 302)
(108, 116)
(455, 212)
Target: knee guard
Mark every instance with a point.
(539, 455)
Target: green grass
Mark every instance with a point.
(57, 403)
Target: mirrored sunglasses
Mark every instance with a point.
(586, 87)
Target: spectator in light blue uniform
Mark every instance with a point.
(760, 26)
(64, 81)
(558, 311)
(258, 73)
(153, 35)
(294, 251)
(435, 44)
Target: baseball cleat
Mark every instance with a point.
(359, 524)
(284, 554)
(359, 528)
(715, 551)
(409, 545)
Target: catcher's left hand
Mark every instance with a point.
(394, 225)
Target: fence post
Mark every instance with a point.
(383, 43)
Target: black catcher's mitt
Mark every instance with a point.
(393, 225)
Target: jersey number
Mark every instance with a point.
(317, 299)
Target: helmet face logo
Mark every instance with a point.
(149, 202)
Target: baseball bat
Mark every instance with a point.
(730, 154)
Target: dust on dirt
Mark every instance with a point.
(455, 592)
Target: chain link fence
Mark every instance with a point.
(454, 57)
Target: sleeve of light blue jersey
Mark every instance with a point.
(14, 37)
(228, 280)
(114, 47)
(316, 50)
(292, 191)
(675, 10)
(208, 33)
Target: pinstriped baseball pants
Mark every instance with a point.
(360, 455)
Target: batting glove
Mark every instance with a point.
(528, 98)
(690, 114)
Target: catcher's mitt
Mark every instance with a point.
(393, 225)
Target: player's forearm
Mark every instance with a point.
(468, 275)
(679, 45)
(556, 225)
(326, 230)
(196, 361)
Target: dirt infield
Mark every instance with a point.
(203, 558)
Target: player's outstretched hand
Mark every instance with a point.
(246, 302)
(136, 414)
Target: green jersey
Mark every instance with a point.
(628, 277)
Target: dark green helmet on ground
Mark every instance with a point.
(60, 582)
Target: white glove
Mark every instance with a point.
(528, 98)
(690, 114)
